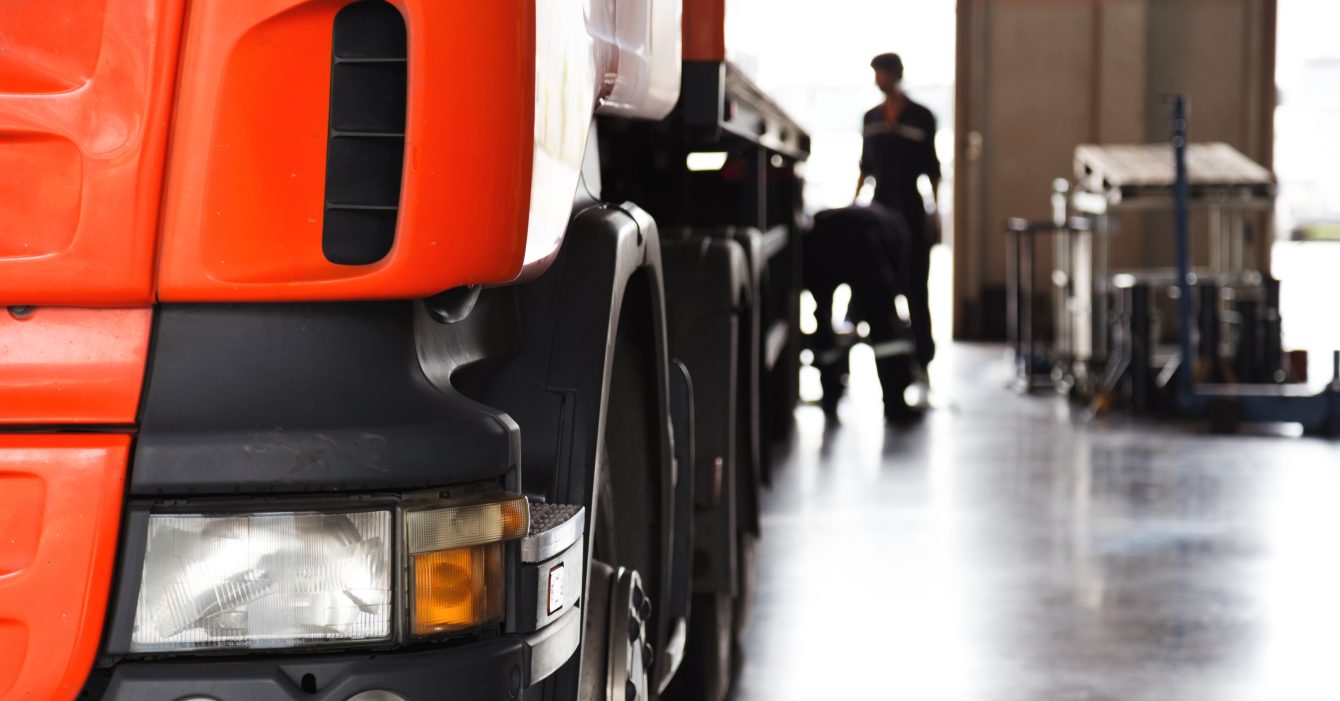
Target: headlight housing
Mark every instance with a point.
(264, 580)
(415, 565)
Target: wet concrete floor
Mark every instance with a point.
(1007, 549)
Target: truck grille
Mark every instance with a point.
(366, 142)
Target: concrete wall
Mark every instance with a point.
(1038, 77)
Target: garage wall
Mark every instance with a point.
(1038, 77)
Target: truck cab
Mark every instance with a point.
(338, 360)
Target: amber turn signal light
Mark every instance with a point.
(456, 557)
(457, 589)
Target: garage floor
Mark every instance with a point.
(1004, 549)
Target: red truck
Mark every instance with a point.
(385, 350)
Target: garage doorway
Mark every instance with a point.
(814, 59)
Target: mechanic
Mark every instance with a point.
(869, 249)
(899, 148)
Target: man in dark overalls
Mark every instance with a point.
(899, 148)
(867, 249)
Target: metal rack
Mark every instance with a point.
(1113, 180)
(1037, 365)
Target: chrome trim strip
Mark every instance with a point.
(542, 546)
(573, 577)
(553, 645)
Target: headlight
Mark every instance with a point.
(264, 580)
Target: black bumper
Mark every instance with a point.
(487, 670)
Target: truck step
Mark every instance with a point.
(553, 527)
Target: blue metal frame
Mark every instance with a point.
(1316, 412)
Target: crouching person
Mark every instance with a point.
(869, 250)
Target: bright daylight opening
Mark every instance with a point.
(814, 59)
(1307, 147)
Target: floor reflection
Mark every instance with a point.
(1004, 549)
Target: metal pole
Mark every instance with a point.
(1013, 268)
(1181, 207)
(1030, 359)
(1217, 238)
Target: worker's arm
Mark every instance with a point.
(933, 165)
(865, 162)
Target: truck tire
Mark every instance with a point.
(717, 627)
(626, 533)
(709, 659)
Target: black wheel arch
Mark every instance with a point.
(544, 353)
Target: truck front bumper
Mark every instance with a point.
(493, 669)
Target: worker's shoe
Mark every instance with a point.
(834, 385)
(901, 414)
(921, 390)
(895, 376)
(832, 366)
(925, 352)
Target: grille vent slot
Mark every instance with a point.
(365, 151)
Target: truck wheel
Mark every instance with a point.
(618, 659)
(744, 599)
(705, 674)
(718, 622)
(717, 626)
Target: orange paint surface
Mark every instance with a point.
(246, 175)
(704, 30)
(73, 366)
(85, 92)
(60, 509)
